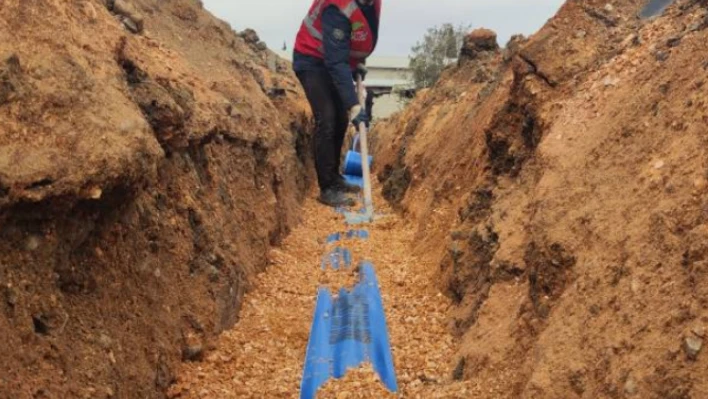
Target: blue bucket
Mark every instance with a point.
(352, 164)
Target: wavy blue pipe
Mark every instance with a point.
(379, 350)
(347, 331)
(318, 358)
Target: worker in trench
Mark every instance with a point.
(330, 53)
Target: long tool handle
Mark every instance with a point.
(368, 198)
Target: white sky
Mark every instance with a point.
(403, 23)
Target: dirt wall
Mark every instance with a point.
(149, 157)
(561, 184)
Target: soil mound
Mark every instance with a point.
(149, 157)
(562, 184)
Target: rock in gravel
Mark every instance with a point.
(95, 193)
(10, 296)
(250, 36)
(41, 324)
(699, 25)
(610, 81)
(630, 387)
(661, 55)
(193, 353)
(32, 243)
(276, 92)
(130, 17)
(10, 79)
(631, 41)
(90, 11)
(692, 345)
(459, 372)
(105, 341)
(131, 25)
(700, 184)
(673, 41)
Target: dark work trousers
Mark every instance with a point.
(331, 122)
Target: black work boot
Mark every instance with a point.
(336, 197)
(346, 187)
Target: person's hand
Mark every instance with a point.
(358, 116)
(360, 70)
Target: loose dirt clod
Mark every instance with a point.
(692, 346)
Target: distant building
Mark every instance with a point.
(389, 78)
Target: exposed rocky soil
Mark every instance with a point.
(149, 158)
(561, 183)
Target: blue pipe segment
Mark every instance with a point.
(362, 234)
(338, 258)
(344, 211)
(334, 237)
(347, 331)
(351, 234)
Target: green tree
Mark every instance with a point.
(434, 52)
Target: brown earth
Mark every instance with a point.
(555, 190)
(149, 158)
(561, 184)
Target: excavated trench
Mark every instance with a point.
(277, 316)
(545, 211)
